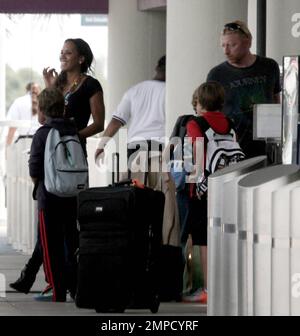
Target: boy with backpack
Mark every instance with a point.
(219, 142)
(56, 210)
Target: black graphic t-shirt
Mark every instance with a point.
(245, 87)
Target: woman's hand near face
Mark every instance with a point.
(50, 76)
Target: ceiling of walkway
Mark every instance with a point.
(54, 6)
(71, 6)
(157, 5)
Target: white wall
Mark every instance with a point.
(2, 117)
(136, 41)
(2, 68)
(283, 35)
(252, 17)
(193, 47)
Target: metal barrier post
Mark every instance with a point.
(281, 238)
(219, 281)
(255, 240)
(295, 252)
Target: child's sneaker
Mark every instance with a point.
(199, 296)
(45, 295)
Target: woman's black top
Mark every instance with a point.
(78, 104)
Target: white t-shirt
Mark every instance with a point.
(21, 110)
(143, 109)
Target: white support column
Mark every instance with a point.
(136, 41)
(252, 17)
(151, 4)
(283, 28)
(2, 117)
(2, 68)
(193, 47)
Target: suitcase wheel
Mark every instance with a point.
(105, 310)
(119, 310)
(155, 304)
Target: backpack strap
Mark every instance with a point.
(182, 125)
(185, 119)
(231, 124)
(179, 131)
(203, 124)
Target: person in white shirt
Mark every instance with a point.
(142, 108)
(24, 108)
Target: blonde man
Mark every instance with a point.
(248, 79)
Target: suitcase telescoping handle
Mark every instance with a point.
(115, 167)
(116, 172)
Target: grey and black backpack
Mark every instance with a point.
(65, 165)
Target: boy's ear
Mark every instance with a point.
(41, 117)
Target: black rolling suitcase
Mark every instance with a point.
(119, 245)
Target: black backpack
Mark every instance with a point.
(180, 152)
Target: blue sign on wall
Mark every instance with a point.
(93, 20)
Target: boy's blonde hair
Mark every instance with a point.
(211, 96)
(52, 102)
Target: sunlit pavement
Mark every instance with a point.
(17, 304)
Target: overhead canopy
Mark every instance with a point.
(54, 6)
(152, 5)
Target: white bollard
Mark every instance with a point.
(281, 218)
(11, 192)
(219, 286)
(22, 196)
(295, 252)
(28, 194)
(18, 198)
(20, 211)
(26, 199)
(255, 243)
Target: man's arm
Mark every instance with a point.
(10, 135)
(12, 114)
(111, 129)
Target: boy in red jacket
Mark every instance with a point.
(210, 101)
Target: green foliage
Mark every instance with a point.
(16, 82)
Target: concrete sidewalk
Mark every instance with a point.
(17, 304)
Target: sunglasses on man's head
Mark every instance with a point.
(234, 27)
